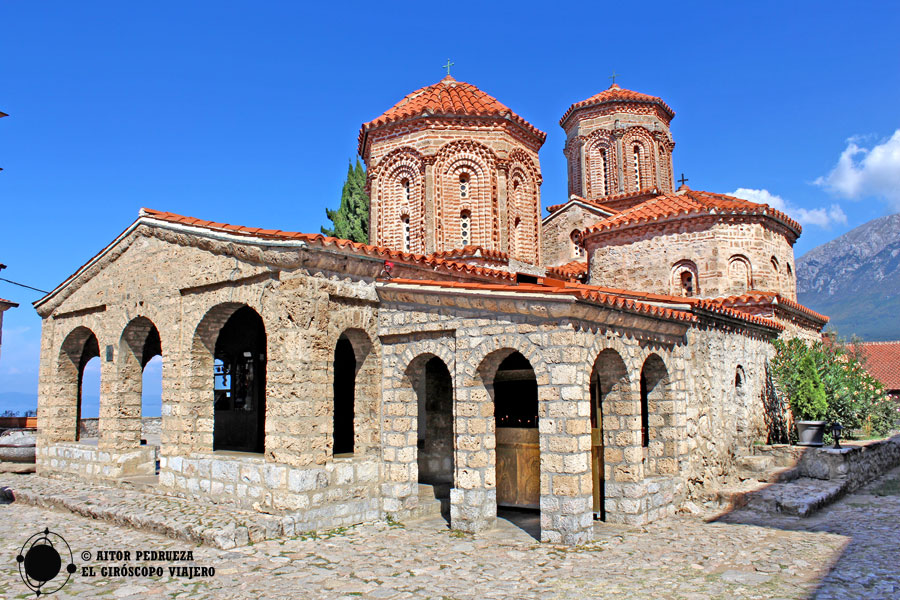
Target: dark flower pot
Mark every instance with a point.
(809, 433)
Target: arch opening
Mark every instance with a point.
(434, 394)
(345, 369)
(78, 377)
(140, 383)
(608, 385)
(239, 374)
(656, 417)
(518, 462)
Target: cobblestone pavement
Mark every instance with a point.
(849, 550)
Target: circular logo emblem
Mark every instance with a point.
(41, 560)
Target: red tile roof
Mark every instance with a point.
(472, 252)
(883, 362)
(615, 94)
(448, 97)
(584, 293)
(574, 270)
(761, 297)
(10, 302)
(688, 202)
(325, 241)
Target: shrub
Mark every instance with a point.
(853, 397)
(808, 402)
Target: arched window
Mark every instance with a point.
(404, 184)
(637, 166)
(577, 248)
(790, 271)
(604, 180)
(739, 274)
(406, 238)
(739, 379)
(775, 264)
(685, 280)
(464, 185)
(464, 227)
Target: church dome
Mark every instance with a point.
(447, 98)
(616, 95)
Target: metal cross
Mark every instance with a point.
(613, 76)
(683, 179)
(448, 65)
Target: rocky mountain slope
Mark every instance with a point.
(855, 280)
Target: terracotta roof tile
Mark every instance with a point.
(883, 362)
(574, 270)
(689, 202)
(325, 241)
(10, 302)
(762, 297)
(448, 97)
(472, 252)
(580, 292)
(616, 94)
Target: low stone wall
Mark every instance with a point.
(856, 463)
(90, 462)
(339, 493)
(642, 502)
(90, 428)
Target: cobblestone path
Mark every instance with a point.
(849, 550)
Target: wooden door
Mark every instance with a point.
(597, 449)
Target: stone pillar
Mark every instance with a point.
(399, 434)
(430, 241)
(502, 205)
(473, 502)
(565, 439)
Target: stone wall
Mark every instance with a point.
(338, 493)
(647, 258)
(556, 235)
(88, 462)
(723, 419)
(90, 428)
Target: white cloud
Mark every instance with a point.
(861, 172)
(822, 217)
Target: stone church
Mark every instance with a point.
(605, 361)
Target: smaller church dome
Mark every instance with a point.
(615, 94)
(447, 98)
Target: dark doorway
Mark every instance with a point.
(436, 424)
(517, 440)
(344, 396)
(240, 383)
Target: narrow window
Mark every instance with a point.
(637, 168)
(404, 183)
(645, 411)
(405, 220)
(774, 264)
(687, 283)
(602, 173)
(464, 185)
(464, 218)
(577, 249)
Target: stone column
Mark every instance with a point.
(430, 241)
(399, 433)
(565, 439)
(502, 176)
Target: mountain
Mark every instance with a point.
(855, 280)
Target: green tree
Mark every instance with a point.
(351, 220)
(808, 403)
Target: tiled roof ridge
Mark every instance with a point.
(572, 269)
(668, 206)
(471, 251)
(755, 295)
(614, 94)
(599, 201)
(323, 240)
(447, 97)
(579, 292)
(5, 301)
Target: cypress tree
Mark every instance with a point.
(351, 220)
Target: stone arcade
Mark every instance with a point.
(605, 362)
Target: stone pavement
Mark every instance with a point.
(848, 550)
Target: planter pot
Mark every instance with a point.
(810, 432)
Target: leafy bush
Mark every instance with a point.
(808, 401)
(854, 398)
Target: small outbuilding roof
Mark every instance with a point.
(883, 362)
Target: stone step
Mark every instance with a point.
(434, 500)
(218, 525)
(800, 497)
(755, 463)
(776, 475)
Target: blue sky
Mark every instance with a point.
(247, 112)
